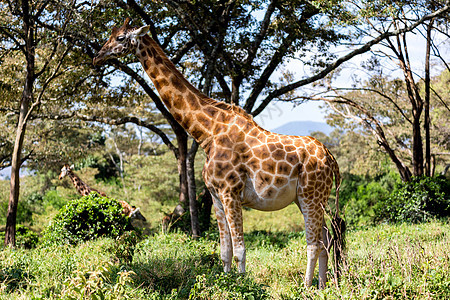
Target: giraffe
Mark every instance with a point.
(245, 165)
(131, 211)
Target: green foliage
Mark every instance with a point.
(169, 264)
(125, 245)
(52, 198)
(160, 185)
(419, 200)
(25, 237)
(14, 277)
(227, 286)
(271, 240)
(97, 284)
(24, 210)
(85, 219)
(104, 165)
(360, 194)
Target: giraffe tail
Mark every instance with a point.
(339, 227)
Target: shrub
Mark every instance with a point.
(359, 195)
(85, 219)
(13, 277)
(418, 200)
(25, 237)
(125, 245)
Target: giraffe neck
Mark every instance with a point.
(81, 187)
(199, 115)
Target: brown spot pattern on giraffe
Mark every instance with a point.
(177, 83)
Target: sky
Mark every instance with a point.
(279, 113)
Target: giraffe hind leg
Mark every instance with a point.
(323, 256)
(314, 241)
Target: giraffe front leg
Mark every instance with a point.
(233, 213)
(226, 250)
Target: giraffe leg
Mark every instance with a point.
(226, 250)
(233, 213)
(314, 248)
(323, 256)
(313, 233)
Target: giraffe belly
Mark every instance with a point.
(270, 197)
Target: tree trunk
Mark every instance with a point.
(205, 210)
(27, 98)
(405, 173)
(193, 207)
(427, 120)
(10, 231)
(417, 146)
(182, 165)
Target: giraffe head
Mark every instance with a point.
(65, 170)
(122, 41)
(136, 214)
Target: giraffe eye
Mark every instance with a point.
(120, 38)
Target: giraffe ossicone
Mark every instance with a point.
(245, 165)
(83, 189)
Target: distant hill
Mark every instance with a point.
(303, 128)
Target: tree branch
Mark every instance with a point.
(338, 62)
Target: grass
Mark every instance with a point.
(287, 219)
(384, 262)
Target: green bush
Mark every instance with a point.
(85, 219)
(14, 277)
(25, 237)
(359, 195)
(419, 200)
(125, 245)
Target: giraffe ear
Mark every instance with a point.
(141, 31)
(72, 166)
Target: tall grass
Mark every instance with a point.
(383, 262)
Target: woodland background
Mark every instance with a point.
(391, 116)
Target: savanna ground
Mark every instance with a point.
(401, 261)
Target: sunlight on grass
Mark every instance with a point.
(287, 219)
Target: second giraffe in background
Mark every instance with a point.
(130, 211)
